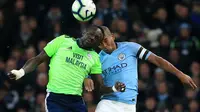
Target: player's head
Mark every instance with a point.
(108, 40)
(92, 37)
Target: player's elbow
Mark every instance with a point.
(156, 60)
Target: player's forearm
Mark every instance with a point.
(164, 64)
(101, 89)
(31, 64)
(99, 85)
(105, 90)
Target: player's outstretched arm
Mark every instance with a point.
(164, 64)
(98, 85)
(29, 66)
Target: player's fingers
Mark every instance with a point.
(117, 83)
(11, 76)
(122, 84)
(193, 85)
(88, 85)
(86, 88)
(91, 85)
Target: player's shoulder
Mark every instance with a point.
(129, 44)
(93, 53)
(65, 38)
(101, 53)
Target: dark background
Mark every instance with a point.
(169, 28)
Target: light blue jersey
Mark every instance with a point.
(121, 65)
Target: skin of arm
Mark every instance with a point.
(32, 63)
(99, 85)
(164, 64)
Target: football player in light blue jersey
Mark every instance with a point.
(119, 63)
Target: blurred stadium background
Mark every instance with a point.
(169, 28)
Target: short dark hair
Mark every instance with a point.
(106, 31)
(102, 31)
(89, 29)
(93, 29)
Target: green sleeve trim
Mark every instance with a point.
(197, 43)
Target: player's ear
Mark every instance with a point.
(113, 36)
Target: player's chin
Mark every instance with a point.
(94, 46)
(89, 45)
(106, 50)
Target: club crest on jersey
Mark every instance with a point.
(89, 56)
(121, 56)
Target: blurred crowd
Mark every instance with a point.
(169, 28)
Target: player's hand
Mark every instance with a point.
(121, 87)
(16, 74)
(89, 84)
(185, 79)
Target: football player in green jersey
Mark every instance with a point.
(71, 60)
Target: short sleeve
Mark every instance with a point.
(139, 51)
(96, 68)
(52, 47)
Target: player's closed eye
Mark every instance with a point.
(102, 43)
(105, 40)
(97, 37)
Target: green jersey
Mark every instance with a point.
(69, 65)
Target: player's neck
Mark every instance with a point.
(113, 47)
